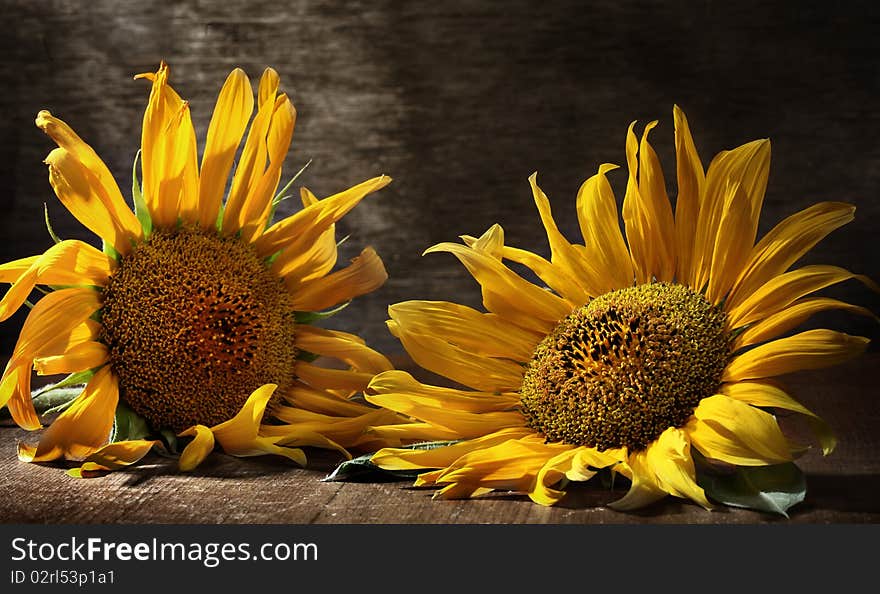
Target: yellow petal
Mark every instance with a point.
(83, 428)
(87, 200)
(766, 394)
(313, 261)
(308, 398)
(400, 382)
(783, 290)
(647, 213)
(299, 231)
(198, 449)
(258, 204)
(812, 349)
(343, 346)
(563, 254)
(600, 226)
(748, 166)
(786, 243)
(729, 430)
(643, 489)
(69, 262)
(669, 458)
(732, 242)
(228, 123)
(252, 164)
(365, 274)
(342, 431)
(467, 368)
(79, 357)
(109, 199)
(239, 436)
(441, 457)
(555, 276)
(691, 181)
(792, 316)
(115, 456)
(483, 334)
(332, 379)
(57, 321)
(507, 294)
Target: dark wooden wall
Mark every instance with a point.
(460, 102)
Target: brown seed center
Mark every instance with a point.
(194, 323)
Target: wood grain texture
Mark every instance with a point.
(459, 102)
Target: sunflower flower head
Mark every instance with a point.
(648, 351)
(195, 319)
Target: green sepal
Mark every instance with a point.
(361, 469)
(49, 225)
(128, 425)
(308, 317)
(171, 443)
(140, 206)
(55, 398)
(772, 489)
(109, 250)
(282, 194)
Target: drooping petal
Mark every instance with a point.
(643, 489)
(83, 428)
(307, 397)
(239, 436)
(444, 456)
(198, 449)
(578, 464)
(228, 123)
(767, 394)
(325, 378)
(732, 431)
(555, 276)
(366, 273)
(691, 182)
(68, 263)
(401, 382)
(669, 458)
(57, 321)
(87, 200)
(103, 207)
(79, 357)
(115, 456)
(314, 261)
(812, 349)
(786, 243)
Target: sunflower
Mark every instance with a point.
(638, 352)
(193, 321)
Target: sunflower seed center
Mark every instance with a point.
(194, 323)
(625, 367)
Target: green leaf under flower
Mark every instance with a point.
(772, 489)
(128, 425)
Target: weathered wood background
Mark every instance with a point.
(459, 102)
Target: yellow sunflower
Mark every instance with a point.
(194, 318)
(635, 350)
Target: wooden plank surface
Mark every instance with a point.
(459, 102)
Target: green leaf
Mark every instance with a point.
(128, 425)
(307, 317)
(360, 469)
(772, 489)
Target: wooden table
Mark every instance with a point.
(842, 488)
